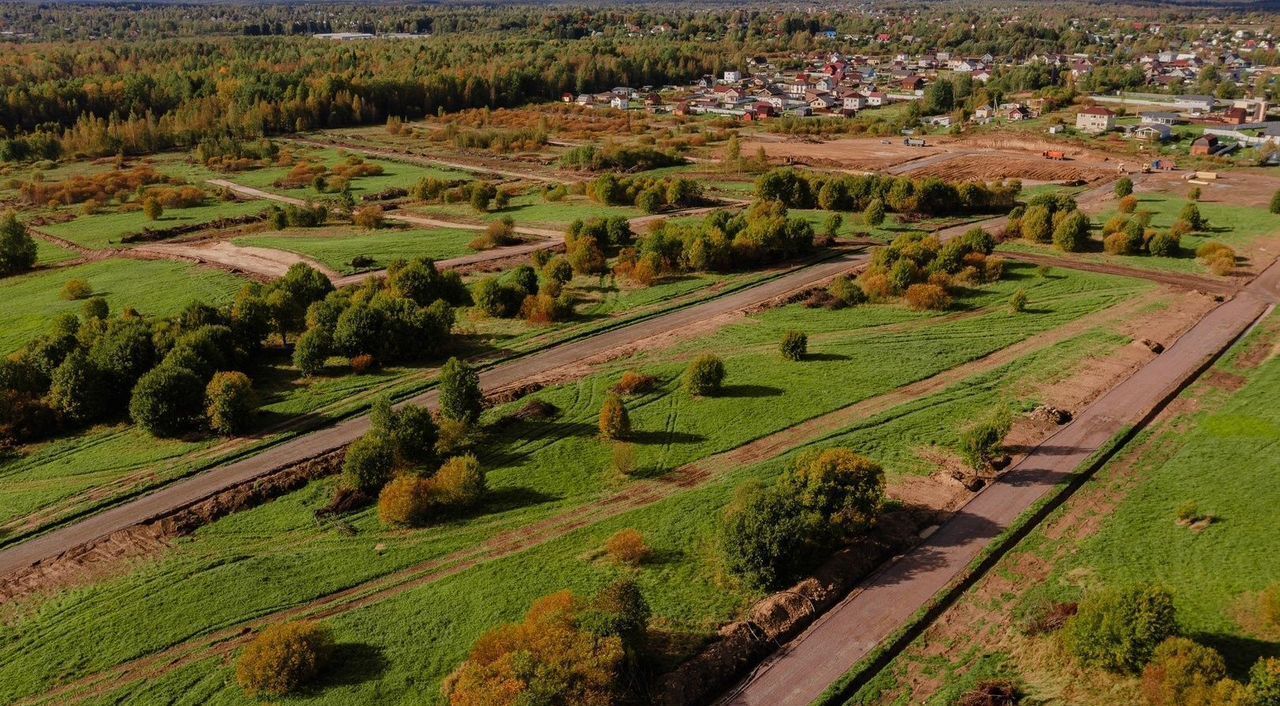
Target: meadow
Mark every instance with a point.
(277, 555)
(48, 481)
(336, 247)
(152, 287)
(530, 209)
(1236, 226)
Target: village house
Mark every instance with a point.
(1152, 132)
(1095, 120)
(1159, 118)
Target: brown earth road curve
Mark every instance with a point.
(191, 490)
(801, 670)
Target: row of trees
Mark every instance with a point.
(929, 196)
(722, 241)
(647, 193)
(170, 375)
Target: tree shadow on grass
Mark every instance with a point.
(507, 499)
(825, 357)
(1240, 652)
(664, 437)
(741, 391)
(353, 663)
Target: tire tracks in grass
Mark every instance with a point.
(644, 492)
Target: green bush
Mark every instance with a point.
(846, 291)
(283, 658)
(312, 350)
(1164, 244)
(615, 423)
(167, 400)
(1180, 667)
(1119, 629)
(76, 289)
(369, 463)
(845, 490)
(704, 376)
(229, 402)
(764, 536)
(460, 397)
(1072, 232)
(981, 440)
(1018, 301)
(1264, 682)
(95, 308)
(1037, 224)
(874, 214)
(794, 345)
(1123, 187)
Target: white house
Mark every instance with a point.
(1095, 120)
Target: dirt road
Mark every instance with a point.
(802, 669)
(186, 492)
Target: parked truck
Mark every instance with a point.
(914, 141)
(1054, 154)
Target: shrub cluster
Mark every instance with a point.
(770, 533)
(172, 375)
(119, 184)
(566, 651)
(649, 194)
(722, 241)
(930, 196)
(616, 157)
(406, 316)
(925, 271)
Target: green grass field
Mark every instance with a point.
(276, 555)
(105, 229)
(1237, 226)
(50, 479)
(335, 247)
(152, 287)
(50, 254)
(531, 210)
(1218, 453)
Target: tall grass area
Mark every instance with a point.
(277, 555)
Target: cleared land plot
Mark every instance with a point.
(541, 468)
(860, 154)
(51, 480)
(394, 174)
(1243, 228)
(336, 247)
(105, 230)
(1214, 447)
(530, 210)
(152, 287)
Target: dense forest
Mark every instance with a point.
(136, 79)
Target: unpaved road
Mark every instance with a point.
(260, 261)
(802, 669)
(186, 492)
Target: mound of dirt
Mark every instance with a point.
(785, 614)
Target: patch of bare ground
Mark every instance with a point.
(988, 167)
(858, 154)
